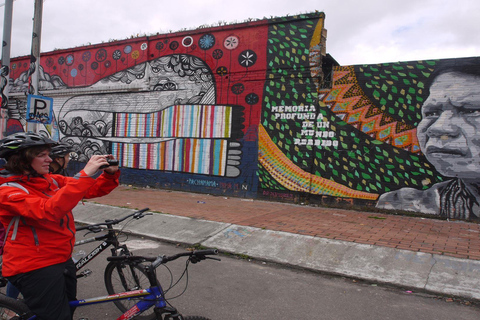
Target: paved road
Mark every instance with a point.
(236, 289)
(419, 271)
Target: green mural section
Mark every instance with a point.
(397, 88)
(288, 83)
(363, 135)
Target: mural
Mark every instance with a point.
(260, 110)
(179, 111)
(398, 136)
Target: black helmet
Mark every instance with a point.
(60, 150)
(22, 140)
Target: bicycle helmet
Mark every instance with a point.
(22, 140)
(60, 150)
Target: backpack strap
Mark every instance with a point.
(55, 183)
(17, 219)
(17, 185)
(13, 222)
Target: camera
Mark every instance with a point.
(111, 162)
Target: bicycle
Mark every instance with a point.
(119, 278)
(154, 296)
(126, 277)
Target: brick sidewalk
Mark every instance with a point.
(452, 238)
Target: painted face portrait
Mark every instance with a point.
(449, 132)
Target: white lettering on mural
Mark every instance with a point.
(315, 129)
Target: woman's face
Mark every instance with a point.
(41, 163)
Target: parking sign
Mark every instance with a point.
(39, 109)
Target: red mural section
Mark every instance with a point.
(236, 57)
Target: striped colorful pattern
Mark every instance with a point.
(293, 178)
(185, 121)
(201, 156)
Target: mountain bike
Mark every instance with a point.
(146, 298)
(118, 278)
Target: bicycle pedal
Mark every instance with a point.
(85, 273)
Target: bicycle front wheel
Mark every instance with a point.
(13, 309)
(121, 277)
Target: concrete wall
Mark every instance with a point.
(253, 110)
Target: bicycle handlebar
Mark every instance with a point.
(194, 256)
(95, 227)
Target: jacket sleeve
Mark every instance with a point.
(105, 183)
(15, 201)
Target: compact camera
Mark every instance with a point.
(111, 162)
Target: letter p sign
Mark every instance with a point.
(39, 109)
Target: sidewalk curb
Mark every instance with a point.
(415, 270)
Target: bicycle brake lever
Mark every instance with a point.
(218, 259)
(141, 215)
(93, 230)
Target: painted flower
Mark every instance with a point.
(127, 49)
(247, 58)
(144, 46)
(187, 41)
(135, 54)
(217, 54)
(231, 43)
(173, 45)
(159, 45)
(50, 62)
(251, 99)
(221, 71)
(61, 60)
(238, 88)
(206, 41)
(69, 60)
(73, 73)
(101, 55)
(86, 56)
(117, 54)
(94, 65)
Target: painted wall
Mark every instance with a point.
(255, 110)
(399, 136)
(180, 110)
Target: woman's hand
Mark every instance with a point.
(97, 161)
(111, 169)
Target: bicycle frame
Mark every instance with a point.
(152, 296)
(110, 239)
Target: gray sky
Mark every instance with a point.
(359, 31)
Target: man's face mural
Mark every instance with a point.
(449, 133)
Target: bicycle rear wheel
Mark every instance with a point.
(13, 309)
(121, 277)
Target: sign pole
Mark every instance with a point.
(5, 70)
(35, 56)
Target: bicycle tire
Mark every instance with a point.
(13, 309)
(134, 278)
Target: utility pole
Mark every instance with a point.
(5, 70)
(35, 56)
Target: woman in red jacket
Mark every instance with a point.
(35, 209)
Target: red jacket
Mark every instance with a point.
(48, 209)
